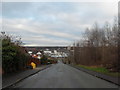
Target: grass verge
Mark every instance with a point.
(101, 70)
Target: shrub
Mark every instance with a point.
(14, 56)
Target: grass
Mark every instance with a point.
(101, 70)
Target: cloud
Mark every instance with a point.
(43, 41)
(36, 32)
(57, 23)
(21, 25)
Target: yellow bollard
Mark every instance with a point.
(33, 65)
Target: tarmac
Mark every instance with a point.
(62, 76)
(11, 79)
(115, 80)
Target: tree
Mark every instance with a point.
(100, 46)
(44, 59)
(14, 56)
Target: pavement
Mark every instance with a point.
(115, 80)
(11, 79)
(63, 76)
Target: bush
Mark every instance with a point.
(44, 59)
(14, 57)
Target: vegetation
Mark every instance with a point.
(44, 59)
(100, 46)
(14, 57)
(52, 61)
(100, 70)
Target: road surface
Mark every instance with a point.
(63, 76)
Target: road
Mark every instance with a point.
(63, 76)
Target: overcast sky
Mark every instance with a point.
(54, 23)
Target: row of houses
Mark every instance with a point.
(53, 54)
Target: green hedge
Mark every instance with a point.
(14, 57)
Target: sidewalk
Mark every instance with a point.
(16, 77)
(114, 80)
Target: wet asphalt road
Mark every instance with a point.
(63, 76)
